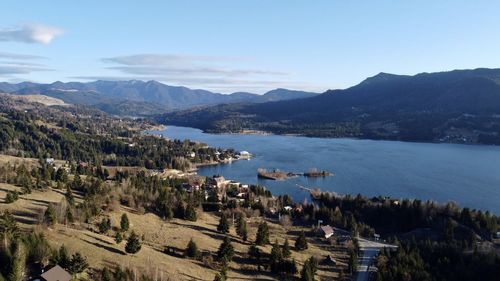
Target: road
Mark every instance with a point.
(368, 251)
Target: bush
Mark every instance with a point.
(12, 196)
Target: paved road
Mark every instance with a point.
(369, 250)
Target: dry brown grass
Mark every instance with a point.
(101, 250)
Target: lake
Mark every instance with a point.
(467, 174)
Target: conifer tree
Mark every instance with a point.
(192, 249)
(223, 224)
(262, 237)
(301, 242)
(286, 249)
(226, 251)
(124, 222)
(133, 244)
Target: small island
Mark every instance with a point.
(281, 175)
(316, 173)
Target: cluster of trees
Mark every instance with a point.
(20, 253)
(28, 135)
(426, 260)
(368, 214)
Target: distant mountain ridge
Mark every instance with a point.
(139, 97)
(453, 106)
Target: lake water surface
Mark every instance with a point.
(467, 174)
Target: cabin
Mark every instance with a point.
(327, 231)
(56, 273)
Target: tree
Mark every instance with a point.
(78, 263)
(353, 262)
(133, 244)
(118, 237)
(301, 242)
(8, 227)
(18, 264)
(12, 196)
(226, 251)
(69, 196)
(254, 252)
(223, 224)
(241, 227)
(104, 225)
(190, 213)
(63, 258)
(192, 249)
(124, 222)
(276, 257)
(49, 217)
(309, 270)
(286, 249)
(262, 237)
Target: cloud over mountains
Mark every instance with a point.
(30, 33)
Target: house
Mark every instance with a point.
(245, 154)
(56, 273)
(327, 231)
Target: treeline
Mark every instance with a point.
(429, 261)
(395, 217)
(25, 134)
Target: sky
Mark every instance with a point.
(250, 46)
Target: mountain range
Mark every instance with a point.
(136, 97)
(455, 106)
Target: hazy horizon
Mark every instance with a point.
(251, 46)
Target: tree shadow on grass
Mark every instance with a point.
(108, 248)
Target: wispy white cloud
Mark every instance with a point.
(12, 64)
(206, 72)
(30, 33)
(13, 56)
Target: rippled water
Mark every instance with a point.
(467, 174)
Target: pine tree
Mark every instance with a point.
(276, 257)
(49, 216)
(254, 252)
(118, 237)
(226, 251)
(223, 224)
(286, 249)
(192, 249)
(18, 266)
(104, 225)
(133, 244)
(301, 242)
(353, 262)
(69, 196)
(309, 270)
(190, 213)
(78, 263)
(124, 222)
(63, 258)
(262, 237)
(241, 227)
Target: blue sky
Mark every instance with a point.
(255, 46)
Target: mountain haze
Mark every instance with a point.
(454, 106)
(136, 97)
